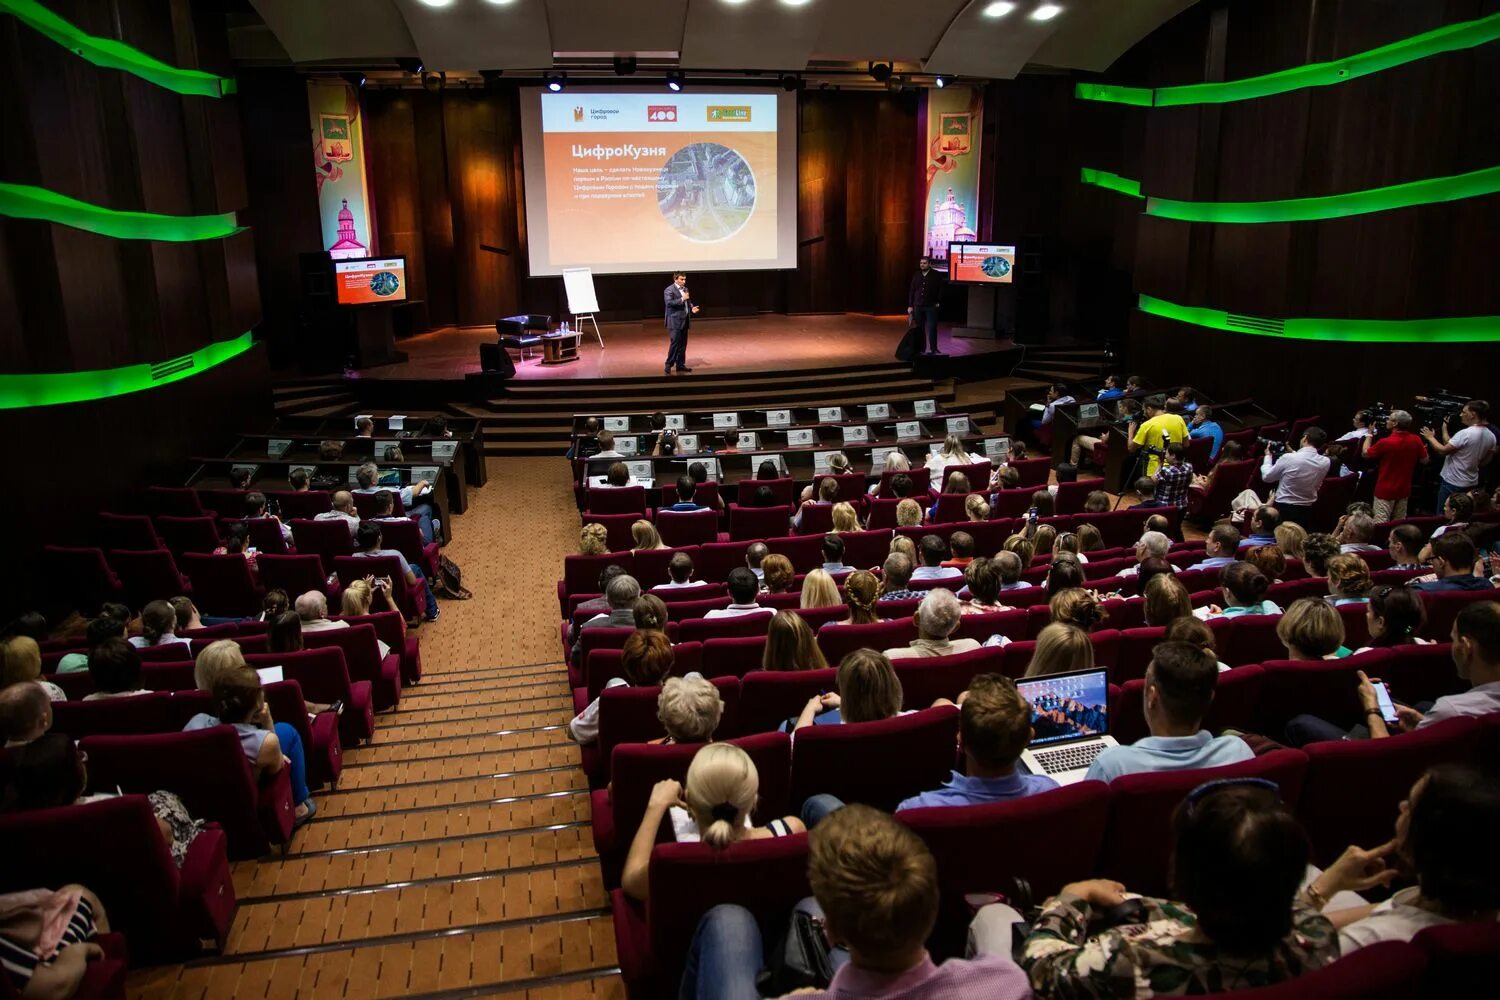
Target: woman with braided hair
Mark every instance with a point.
(861, 591)
(713, 807)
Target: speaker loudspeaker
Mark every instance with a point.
(496, 359)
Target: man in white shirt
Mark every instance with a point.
(1466, 452)
(936, 619)
(1476, 655)
(1298, 475)
(607, 446)
(743, 588)
(343, 509)
(312, 608)
(933, 551)
(1179, 688)
(1219, 547)
(680, 572)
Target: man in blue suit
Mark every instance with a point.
(680, 311)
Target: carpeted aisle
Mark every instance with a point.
(455, 857)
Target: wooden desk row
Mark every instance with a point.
(468, 431)
(888, 433)
(619, 422)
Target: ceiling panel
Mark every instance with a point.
(975, 45)
(617, 25)
(884, 29)
(1093, 42)
(760, 35)
(318, 30)
(470, 35)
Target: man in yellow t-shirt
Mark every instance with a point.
(1159, 421)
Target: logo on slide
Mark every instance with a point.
(706, 192)
(729, 112)
(661, 113)
(578, 113)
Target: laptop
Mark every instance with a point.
(1070, 713)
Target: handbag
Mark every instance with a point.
(802, 959)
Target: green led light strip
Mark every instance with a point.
(20, 391)
(22, 201)
(1449, 38)
(1442, 330)
(113, 54)
(1333, 206)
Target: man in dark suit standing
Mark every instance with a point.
(922, 301)
(680, 310)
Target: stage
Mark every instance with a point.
(767, 343)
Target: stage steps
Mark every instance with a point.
(312, 398)
(1078, 363)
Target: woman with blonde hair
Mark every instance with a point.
(777, 573)
(689, 709)
(21, 660)
(1166, 599)
(644, 537)
(218, 659)
(359, 598)
(1061, 647)
(1311, 630)
(1044, 540)
(1023, 548)
(791, 645)
(1090, 539)
(1348, 580)
(908, 513)
(644, 662)
(1289, 539)
(951, 453)
(976, 507)
(593, 540)
(869, 691)
(819, 590)
(861, 591)
(905, 546)
(1076, 606)
(713, 807)
(844, 518)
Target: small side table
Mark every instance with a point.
(560, 348)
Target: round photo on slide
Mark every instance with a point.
(995, 267)
(384, 283)
(706, 192)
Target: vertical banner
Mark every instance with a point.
(338, 142)
(951, 127)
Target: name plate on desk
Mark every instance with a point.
(617, 423)
(723, 420)
(675, 422)
(427, 472)
(830, 414)
(925, 407)
(909, 430)
(778, 418)
(640, 470)
(747, 441)
(958, 425)
(443, 451)
(856, 435)
(878, 411)
(997, 450)
(775, 460)
(1088, 412)
(687, 444)
(627, 445)
(800, 438)
(396, 421)
(276, 447)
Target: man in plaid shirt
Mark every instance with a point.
(1174, 477)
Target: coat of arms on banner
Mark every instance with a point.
(954, 133)
(337, 147)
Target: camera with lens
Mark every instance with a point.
(1276, 448)
(1375, 417)
(1438, 408)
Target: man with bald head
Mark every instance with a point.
(343, 509)
(25, 713)
(312, 608)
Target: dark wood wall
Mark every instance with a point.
(1430, 118)
(71, 300)
(446, 181)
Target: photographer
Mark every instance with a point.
(1465, 452)
(1298, 475)
(1160, 429)
(1399, 453)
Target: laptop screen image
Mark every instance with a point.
(1067, 706)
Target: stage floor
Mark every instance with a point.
(715, 346)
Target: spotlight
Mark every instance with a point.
(437, 3)
(407, 64)
(355, 79)
(624, 65)
(434, 81)
(940, 82)
(555, 82)
(674, 81)
(998, 9)
(881, 72)
(791, 82)
(1046, 12)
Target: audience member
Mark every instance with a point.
(112, 623)
(650, 613)
(951, 453)
(791, 645)
(908, 513)
(934, 551)
(961, 545)
(755, 555)
(1311, 630)
(1043, 539)
(1174, 476)
(1354, 533)
(188, 617)
(1179, 688)
(239, 701)
(255, 510)
(699, 473)
(645, 661)
(689, 709)
(1458, 509)
(896, 578)
(902, 486)
(984, 580)
(1064, 573)
(1238, 859)
(158, 626)
(1022, 547)
(1068, 543)
(621, 594)
(1165, 600)
(1090, 539)
(1159, 429)
(1203, 425)
(1076, 606)
(819, 590)
(976, 508)
(1151, 545)
(1393, 617)
(1096, 502)
(894, 461)
(366, 596)
(1348, 580)
(115, 668)
(1145, 488)
(594, 606)
(679, 573)
(235, 541)
(367, 544)
(1061, 648)
(1219, 548)
(1405, 546)
(1317, 550)
(844, 517)
(593, 539)
(1268, 559)
(1453, 557)
(644, 537)
(1290, 538)
(686, 491)
(1263, 525)
(412, 502)
(1244, 589)
(936, 618)
(312, 610)
(1011, 568)
(743, 589)
(25, 713)
(1190, 630)
(828, 494)
(868, 691)
(21, 661)
(833, 555)
(778, 573)
(861, 592)
(1398, 454)
(1464, 453)
(343, 510)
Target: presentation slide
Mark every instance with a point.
(981, 263)
(630, 181)
(367, 281)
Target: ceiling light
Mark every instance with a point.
(881, 72)
(999, 9)
(555, 82)
(794, 3)
(1046, 12)
(499, 3)
(674, 80)
(409, 65)
(437, 3)
(940, 82)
